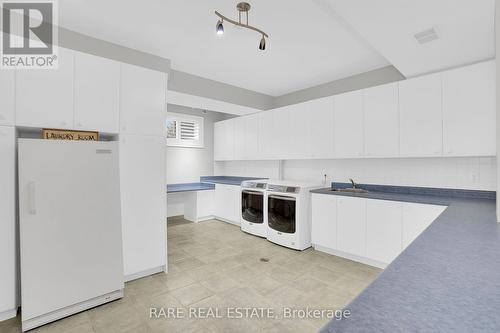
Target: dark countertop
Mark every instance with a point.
(227, 180)
(187, 187)
(447, 280)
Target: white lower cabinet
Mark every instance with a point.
(416, 218)
(144, 211)
(324, 215)
(8, 239)
(227, 203)
(383, 230)
(205, 204)
(370, 231)
(351, 225)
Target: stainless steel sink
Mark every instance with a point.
(349, 190)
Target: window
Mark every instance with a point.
(184, 130)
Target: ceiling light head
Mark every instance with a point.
(262, 45)
(219, 28)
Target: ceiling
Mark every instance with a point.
(311, 42)
(465, 29)
(308, 45)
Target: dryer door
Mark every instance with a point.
(282, 213)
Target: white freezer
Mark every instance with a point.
(70, 227)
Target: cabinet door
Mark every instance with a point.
(142, 101)
(239, 138)
(349, 125)
(297, 135)
(205, 203)
(44, 98)
(267, 143)
(252, 137)
(469, 111)
(381, 121)
(97, 99)
(7, 97)
(143, 190)
(8, 243)
(322, 137)
(324, 220)
(224, 140)
(281, 133)
(351, 225)
(416, 218)
(383, 230)
(227, 202)
(421, 132)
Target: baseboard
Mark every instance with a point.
(206, 218)
(227, 221)
(147, 272)
(4, 315)
(350, 256)
(70, 310)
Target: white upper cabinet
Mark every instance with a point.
(239, 138)
(97, 98)
(266, 133)
(324, 220)
(381, 121)
(224, 140)
(469, 111)
(321, 123)
(142, 101)
(351, 225)
(383, 230)
(7, 97)
(421, 132)
(44, 98)
(297, 136)
(274, 128)
(252, 137)
(349, 123)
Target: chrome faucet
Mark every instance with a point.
(353, 183)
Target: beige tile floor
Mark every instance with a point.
(213, 265)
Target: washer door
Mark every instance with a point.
(281, 213)
(252, 206)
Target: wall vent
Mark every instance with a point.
(426, 36)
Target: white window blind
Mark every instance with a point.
(184, 130)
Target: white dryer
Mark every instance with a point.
(289, 213)
(253, 207)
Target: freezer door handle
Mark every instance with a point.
(31, 198)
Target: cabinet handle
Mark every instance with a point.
(79, 125)
(31, 198)
(63, 123)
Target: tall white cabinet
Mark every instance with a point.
(142, 170)
(8, 238)
(7, 97)
(143, 188)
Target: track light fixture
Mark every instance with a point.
(219, 27)
(242, 7)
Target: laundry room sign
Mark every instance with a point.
(56, 134)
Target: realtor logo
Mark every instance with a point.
(29, 34)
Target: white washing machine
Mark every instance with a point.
(253, 207)
(289, 213)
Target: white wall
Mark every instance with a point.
(186, 165)
(477, 173)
